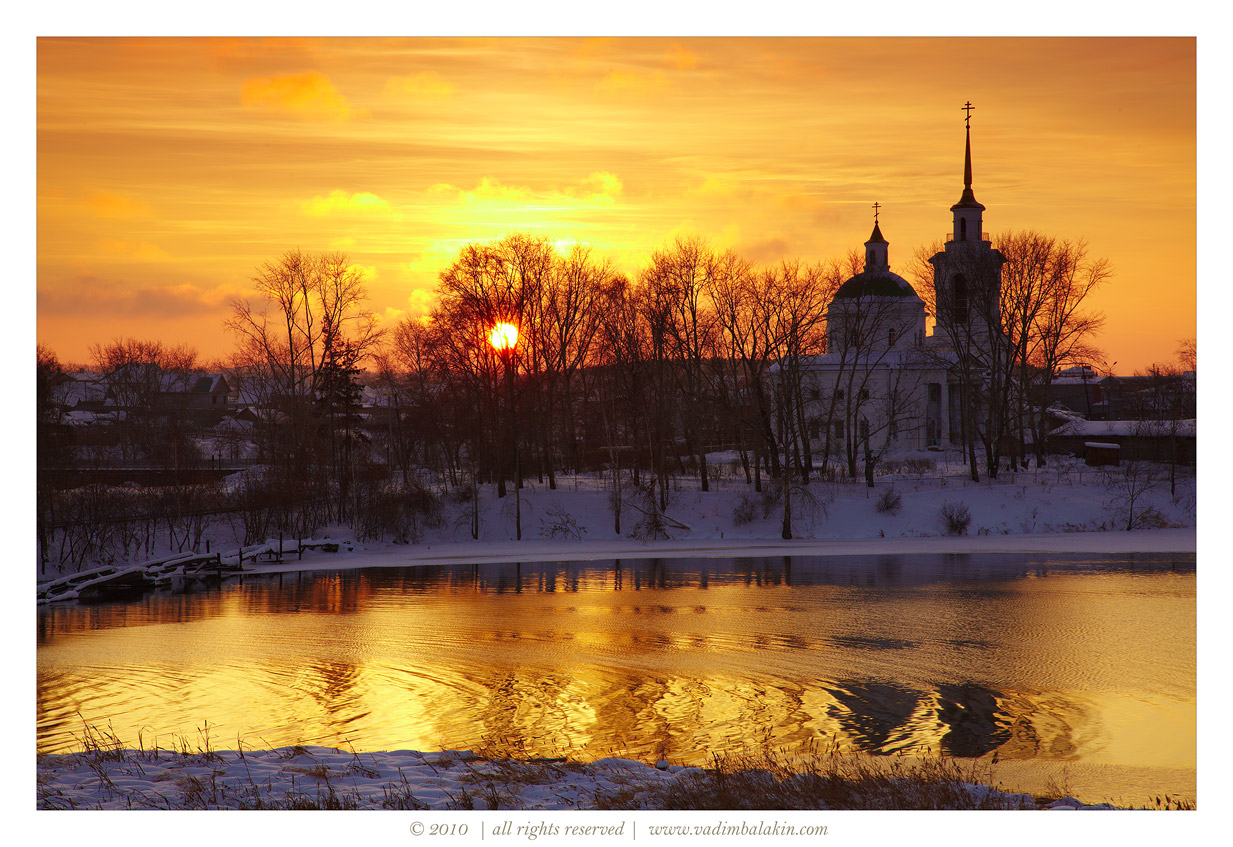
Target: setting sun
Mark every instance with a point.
(503, 336)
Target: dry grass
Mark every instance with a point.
(806, 778)
(813, 779)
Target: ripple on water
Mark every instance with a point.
(1044, 667)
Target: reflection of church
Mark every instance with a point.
(883, 381)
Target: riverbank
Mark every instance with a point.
(1067, 508)
(1172, 540)
(106, 776)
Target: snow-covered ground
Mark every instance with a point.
(306, 777)
(1065, 507)
(1068, 508)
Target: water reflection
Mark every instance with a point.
(1036, 658)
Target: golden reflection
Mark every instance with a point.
(1054, 669)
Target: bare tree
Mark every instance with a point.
(677, 283)
(1188, 354)
(52, 450)
(1048, 282)
(567, 316)
(1014, 320)
(310, 325)
(487, 284)
(743, 303)
(142, 378)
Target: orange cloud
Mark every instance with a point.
(421, 301)
(105, 205)
(590, 48)
(86, 294)
(682, 59)
(712, 187)
(310, 94)
(599, 187)
(488, 189)
(141, 250)
(340, 202)
(427, 84)
(625, 83)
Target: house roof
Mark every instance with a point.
(1126, 429)
(208, 384)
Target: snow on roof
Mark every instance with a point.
(74, 392)
(232, 425)
(82, 418)
(1061, 410)
(908, 359)
(207, 383)
(1126, 429)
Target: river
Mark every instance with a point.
(1076, 670)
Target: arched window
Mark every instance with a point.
(959, 300)
(890, 337)
(963, 229)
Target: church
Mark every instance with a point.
(884, 384)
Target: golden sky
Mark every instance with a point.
(168, 169)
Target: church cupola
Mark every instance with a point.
(876, 247)
(967, 211)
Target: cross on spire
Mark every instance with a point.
(967, 118)
(875, 211)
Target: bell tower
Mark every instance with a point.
(967, 274)
(967, 212)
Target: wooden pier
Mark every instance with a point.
(177, 570)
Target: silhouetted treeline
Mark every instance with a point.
(344, 420)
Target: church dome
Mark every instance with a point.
(875, 283)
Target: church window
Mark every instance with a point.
(963, 229)
(890, 337)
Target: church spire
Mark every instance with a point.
(967, 152)
(967, 210)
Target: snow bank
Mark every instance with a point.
(1064, 508)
